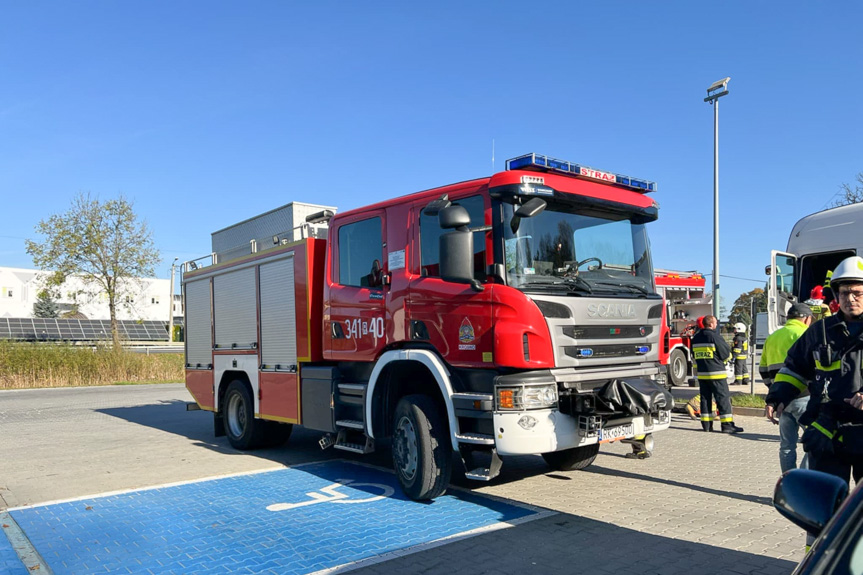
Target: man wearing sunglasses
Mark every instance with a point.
(827, 361)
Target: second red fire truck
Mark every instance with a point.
(685, 301)
(507, 315)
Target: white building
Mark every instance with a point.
(140, 299)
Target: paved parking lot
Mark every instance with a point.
(701, 504)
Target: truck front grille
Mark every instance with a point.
(617, 350)
(607, 331)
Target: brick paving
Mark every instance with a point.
(700, 504)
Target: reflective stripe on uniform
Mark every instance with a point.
(817, 426)
(712, 376)
(726, 418)
(785, 375)
(833, 366)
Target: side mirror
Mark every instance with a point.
(456, 247)
(453, 217)
(767, 270)
(531, 208)
(435, 206)
(809, 498)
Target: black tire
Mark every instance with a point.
(243, 430)
(571, 459)
(678, 368)
(277, 433)
(422, 456)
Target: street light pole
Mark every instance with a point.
(171, 303)
(714, 92)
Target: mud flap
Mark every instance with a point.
(634, 396)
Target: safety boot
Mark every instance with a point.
(707, 425)
(729, 427)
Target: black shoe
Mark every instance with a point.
(729, 427)
(707, 425)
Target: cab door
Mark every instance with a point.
(454, 318)
(354, 307)
(780, 288)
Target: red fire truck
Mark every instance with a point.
(507, 315)
(685, 301)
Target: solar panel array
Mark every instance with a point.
(44, 329)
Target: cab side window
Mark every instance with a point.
(360, 248)
(430, 233)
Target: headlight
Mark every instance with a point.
(527, 397)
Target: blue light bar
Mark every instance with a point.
(547, 164)
(642, 349)
(585, 352)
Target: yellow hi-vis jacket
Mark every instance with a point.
(776, 347)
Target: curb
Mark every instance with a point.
(742, 411)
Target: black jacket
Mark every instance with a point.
(827, 361)
(710, 352)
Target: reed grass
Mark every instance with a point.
(33, 365)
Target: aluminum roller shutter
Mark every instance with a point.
(199, 344)
(278, 315)
(236, 309)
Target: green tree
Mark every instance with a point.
(103, 243)
(741, 311)
(848, 195)
(45, 305)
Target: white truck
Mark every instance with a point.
(818, 242)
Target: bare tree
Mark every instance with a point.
(103, 243)
(848, 195)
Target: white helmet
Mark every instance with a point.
(739, 328)
(849, 270)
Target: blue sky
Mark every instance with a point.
(206, 113)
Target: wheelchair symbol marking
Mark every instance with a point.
(330, 495)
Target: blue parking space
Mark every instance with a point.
(298, 520)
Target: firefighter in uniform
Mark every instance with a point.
(711, 352)
(827, 361)
(739, 352)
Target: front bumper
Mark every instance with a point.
(552, 430)
(595, 412)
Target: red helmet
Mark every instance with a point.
(700, 322)
(817, 293)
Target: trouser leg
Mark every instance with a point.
(789, 429)
(723, 400)
(830, 463)
(741, 371)
(706, 390)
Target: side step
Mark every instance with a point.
(352, 437)
(481, 463)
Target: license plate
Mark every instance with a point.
(615, 433)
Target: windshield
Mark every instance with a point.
(563, 250)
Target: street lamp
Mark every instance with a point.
(171, 303)
(714, 92)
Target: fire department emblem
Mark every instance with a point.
(465, 332)
(466, 336)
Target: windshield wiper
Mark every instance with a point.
(570, 284)
(577, 282)
(637, 288)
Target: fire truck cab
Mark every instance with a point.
(512, 314)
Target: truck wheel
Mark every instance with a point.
(422, 457)
(243, 430)
(571, 459)
(677, 368)
(277, 433)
